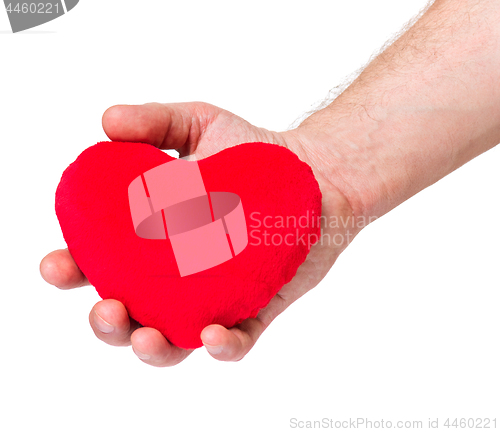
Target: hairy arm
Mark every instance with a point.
(425, 106)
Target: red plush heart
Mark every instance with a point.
(281, 202)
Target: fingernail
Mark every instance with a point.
(214, 349)
(103, 326)
(141, 355)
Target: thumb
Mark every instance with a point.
(166, 126)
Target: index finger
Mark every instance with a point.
(59, 268)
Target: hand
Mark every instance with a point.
(205, 129)
(420, 110)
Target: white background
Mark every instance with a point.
(404, 327)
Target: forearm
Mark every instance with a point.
(425, 106)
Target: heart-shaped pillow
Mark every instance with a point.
(281, 207)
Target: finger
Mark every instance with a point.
(59, 268)
(232, 344)
(152, 348)
(110, 321)
(168, 126)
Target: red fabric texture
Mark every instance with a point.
(275, 188)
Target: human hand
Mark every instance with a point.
(421, 109)
(204, 129)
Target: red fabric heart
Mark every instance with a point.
(282, 205)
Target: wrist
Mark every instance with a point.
(342, 214)
(336, 142)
